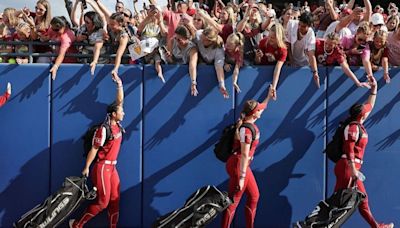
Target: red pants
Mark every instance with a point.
(343, 178)
(250, 188)
(105, 178)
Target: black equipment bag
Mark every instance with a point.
(224, 147)
(57, 207)
(334, 149)
(334, 211)
(200, 209)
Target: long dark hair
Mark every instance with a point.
(60, 22)
(95, 18)
(355, 111)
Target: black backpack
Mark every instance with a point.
(89, 135)
(334, 149)
(224, 147)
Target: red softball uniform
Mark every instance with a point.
(4, 98)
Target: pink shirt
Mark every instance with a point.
(354, 60)
(172, 20)
(66, 39)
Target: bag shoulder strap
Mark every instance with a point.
(253, 131)
(360, 132)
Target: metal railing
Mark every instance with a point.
(31, 54)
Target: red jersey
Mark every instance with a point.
(109, 150)
(351, 135)
(234, 57)
(246, 137)
(227, 29)
(271, 54)
(4, 98)
(335, 57)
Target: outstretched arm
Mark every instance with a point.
(119, 100)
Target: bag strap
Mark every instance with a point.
(253, 132)
(360, 132)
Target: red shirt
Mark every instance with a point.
(271, 54)
(234, 57)
(4, 98)
(109, 150)
(336, 57)
(66, 39)
(246, 137)
(226, 31)
(351, 134)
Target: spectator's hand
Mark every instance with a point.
(93, 67)
(116, 78)
(9, 88)
(161, 77)
(372, 82)
(316, 79)
(224, 92)
(193, 90)
(105, 35)
(259, 54)
(386, 76)
(26, 11)
(81, 37)
(354, 51)
(85, 172)
(227, 67)
(53, 71)
(274, 95)
(363, 85)
(236, 87)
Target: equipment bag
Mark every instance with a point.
(223, 149)
(57, 207)
(334, 149)
(334, 211)
(199, 210)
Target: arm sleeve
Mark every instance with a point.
(99, 137)
(4, 98)
(351, 134)
(245, 135)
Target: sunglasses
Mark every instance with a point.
(56, 29)
(39, 9)
(127, 15)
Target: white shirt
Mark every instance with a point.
(307, 45)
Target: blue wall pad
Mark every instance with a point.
(381, 158)
(80, 101)
(180, 133)
(25, 173)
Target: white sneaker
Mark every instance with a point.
(71, 223)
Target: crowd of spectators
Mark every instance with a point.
(228, 35)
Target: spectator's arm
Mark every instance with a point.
(242, 24)
(368, 10)
(96, 55)
(193, 57)
(103, 8)
(350, 4)
(343, 23)
(313, 66)
(277, 73)
(97, 9)
(235, 76)
(385, 66)
(266, 23)
(123, 42)
(331, 9)
(346, 69)
(74, 21)
(210, 21)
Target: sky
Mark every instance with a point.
(58, 6)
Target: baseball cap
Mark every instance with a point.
(377, 19)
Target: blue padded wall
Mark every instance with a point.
(80, 101)
(25, 172)
(382, 153)
(288, 161)
(167, 149)
(180, 131)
